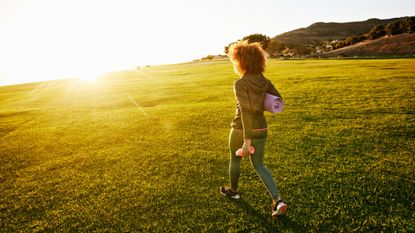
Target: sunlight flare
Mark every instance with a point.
(89, 78)
(136, 104)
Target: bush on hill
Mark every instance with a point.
(408, 24)
(405, 25)
(394, 28)
(376, 32)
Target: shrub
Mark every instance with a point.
(408, 24)
(394, 28)
(376, 32)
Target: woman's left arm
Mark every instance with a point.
(272, 90)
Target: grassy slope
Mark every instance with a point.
(397, 45)
(330, 31)
(77, 156)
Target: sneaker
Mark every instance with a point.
(227, 191)
(279, 208)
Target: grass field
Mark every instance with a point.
(146, 151)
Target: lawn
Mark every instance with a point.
(146, 150)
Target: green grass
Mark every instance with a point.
(83, 157)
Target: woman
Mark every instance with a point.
(249, 127)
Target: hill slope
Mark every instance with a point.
(330, 31)
(403, 44)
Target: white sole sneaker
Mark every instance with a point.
(281, 209)
(234, 196)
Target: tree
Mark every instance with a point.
(262, 39)
(299, 50)
(351, 40)
(226, 50)
(208, 57)
(275, 48)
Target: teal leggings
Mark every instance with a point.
(257, 159)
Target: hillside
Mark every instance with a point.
(400, 45)
(329, 31)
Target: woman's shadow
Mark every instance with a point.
(283, 222)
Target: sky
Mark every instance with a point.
(52, 39)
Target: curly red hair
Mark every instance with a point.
(247, 58)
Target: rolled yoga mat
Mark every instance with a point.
(273, 104)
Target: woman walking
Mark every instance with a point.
(249, 127)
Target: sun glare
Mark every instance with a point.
(89, 78)
(33, 52)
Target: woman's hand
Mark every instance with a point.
(245, 146)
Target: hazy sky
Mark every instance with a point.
(49, 39)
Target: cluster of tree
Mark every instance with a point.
(273, 47)
(406, 25)
(351, 40)
(211, 57)
(208, 57)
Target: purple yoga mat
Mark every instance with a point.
(273, 104)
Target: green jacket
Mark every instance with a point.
(250, 92)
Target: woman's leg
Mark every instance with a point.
(257, 161)
(235, 142)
